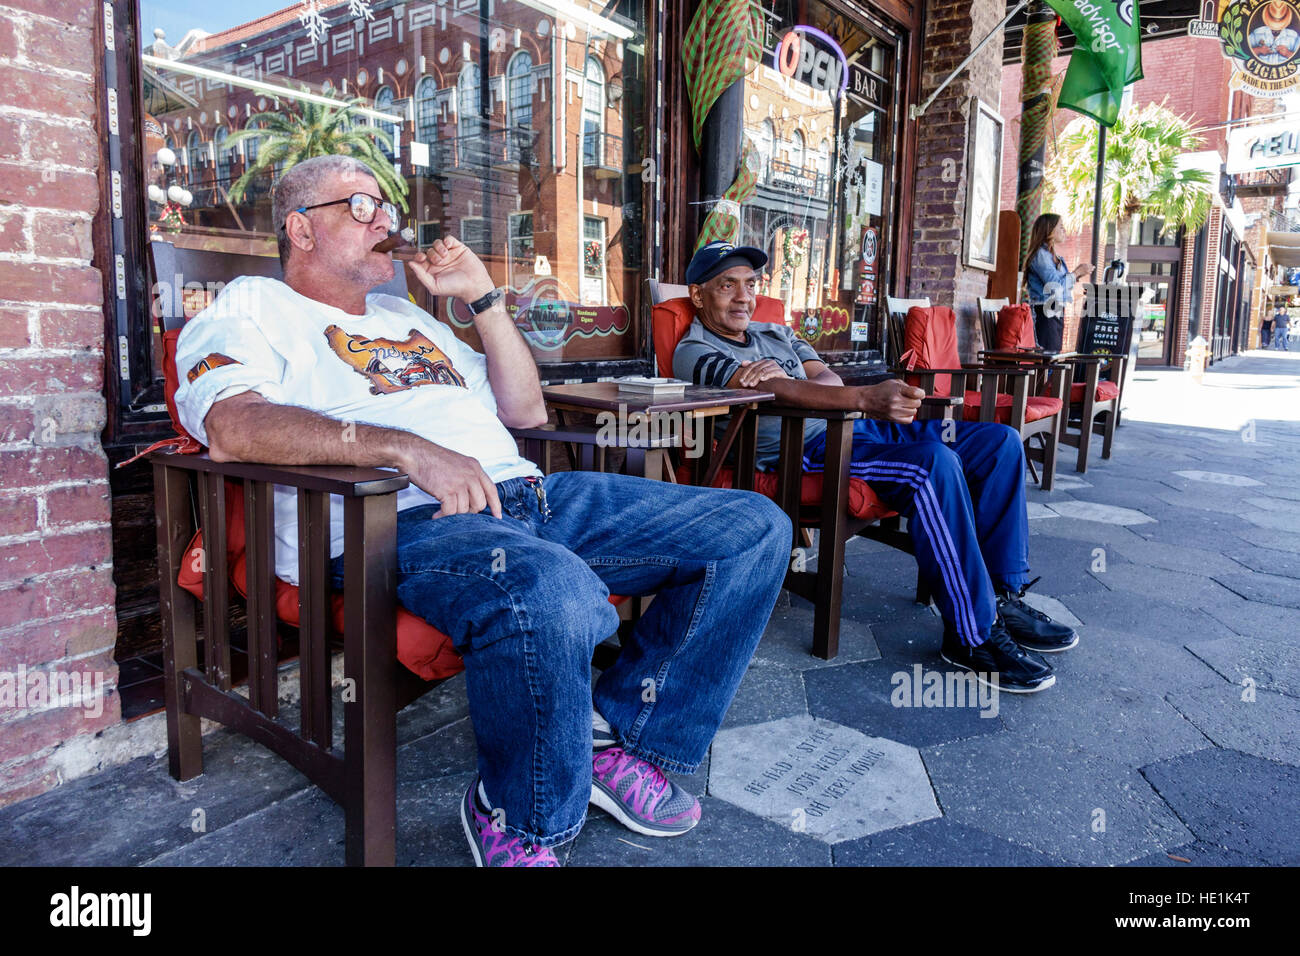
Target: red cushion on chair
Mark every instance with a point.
(1041, 406)
(1015, 328)
(930, 334)
(1036, 407)
(863, 502)
(171, 381)
(420, 647)
(669, 322)
(970, 410)
(1106, 390)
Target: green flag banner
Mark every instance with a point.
(721, 35)
(1107, 55)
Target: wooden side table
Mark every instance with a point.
(654, 419)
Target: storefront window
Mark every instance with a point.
(517, 125)
(819, 111)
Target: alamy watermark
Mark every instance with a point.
(924, 688)
(36, 690)
(639, 430)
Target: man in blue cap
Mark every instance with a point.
(959, 484)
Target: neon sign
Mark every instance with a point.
(800, 58)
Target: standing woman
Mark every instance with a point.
(1049, 280)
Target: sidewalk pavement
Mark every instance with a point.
(1171, 738)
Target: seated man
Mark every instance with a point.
(514, 567)
(964, 498)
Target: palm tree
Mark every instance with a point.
(286, 139)
(1143, 176)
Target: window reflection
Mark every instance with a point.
(514, 127)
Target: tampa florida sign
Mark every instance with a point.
(1263, 37)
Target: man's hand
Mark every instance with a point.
(451, 268)
(458, 482)
(891, 401)
(751, 373)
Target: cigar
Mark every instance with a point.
(400, 244)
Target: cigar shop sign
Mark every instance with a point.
(1261, 37)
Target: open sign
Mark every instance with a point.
(810, 56)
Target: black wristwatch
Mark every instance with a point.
(479, 306)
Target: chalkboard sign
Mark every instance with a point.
(1101, 334)
(1108, 312)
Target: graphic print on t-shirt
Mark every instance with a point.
(213, 360)
(394, 366)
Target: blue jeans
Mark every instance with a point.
(525, 602)
(964, 500)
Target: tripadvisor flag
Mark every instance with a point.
(1107, 55)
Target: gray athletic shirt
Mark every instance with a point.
(708, 359)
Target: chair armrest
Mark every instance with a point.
(964, 370)
(791, 411)
(347, 480)
(1027, 358)
(576, 434)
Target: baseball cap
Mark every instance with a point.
(717, 257)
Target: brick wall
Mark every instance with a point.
(938, 220)
(56, 589)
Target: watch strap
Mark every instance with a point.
(481, 305)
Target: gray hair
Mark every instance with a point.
(300, 186)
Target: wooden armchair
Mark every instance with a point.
(390, 656)
(1096, 395)
(993, 392)
(832, 502)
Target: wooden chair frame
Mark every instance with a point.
(990, 379)
(363, 779)
(1096, 417)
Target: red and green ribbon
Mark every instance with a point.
(722, 35)
(723, 221)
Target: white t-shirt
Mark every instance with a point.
(395, 366)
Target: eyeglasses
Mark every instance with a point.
(363, 207)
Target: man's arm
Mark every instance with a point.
(451, 268)
(891, 400)
(246, 427)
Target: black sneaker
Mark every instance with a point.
(1030, 627)
(999, 662)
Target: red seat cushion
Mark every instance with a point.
(1106, 390)
(1036, 407)
(863, 502)
(421, 647)
(930, 335)
(1015, 328)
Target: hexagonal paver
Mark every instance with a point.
(1272, 665)
(1265, 588)
(938, 843)
(1219, 478)
(820, 778)
(917, 704)
(1235, 801)
(1105, 514)
(787, 641)
(1069, 804)
(1267, 725)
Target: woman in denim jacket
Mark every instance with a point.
(1049, 280)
